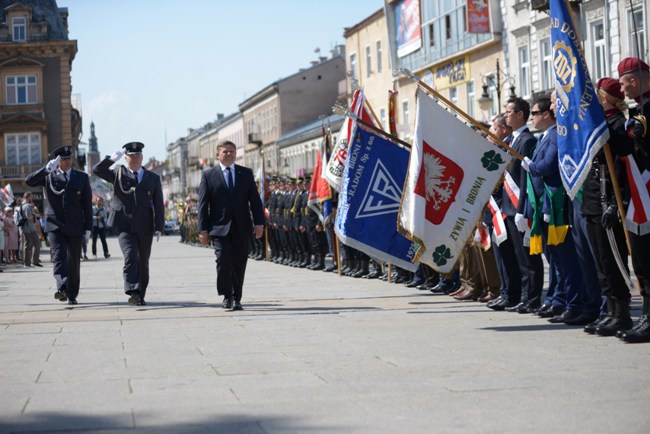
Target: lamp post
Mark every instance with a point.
(485, 102)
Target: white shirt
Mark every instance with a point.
(225, 174)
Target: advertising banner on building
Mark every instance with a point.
(478, 16)
(407, 23)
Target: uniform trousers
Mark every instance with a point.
(136, 249)
(66, 260)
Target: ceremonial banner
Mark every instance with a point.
(581, 126)
(451, 174)
(336, 164)
(320, 193)
(369, 200)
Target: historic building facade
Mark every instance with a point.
(36, 112)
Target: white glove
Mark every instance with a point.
(117, 155)
(547, 218)
(521, 222)
(157, 234)
(525, 164)
(52, 164)
(87, 235)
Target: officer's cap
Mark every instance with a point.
(133, 148)
(63, 151)
(632, 64)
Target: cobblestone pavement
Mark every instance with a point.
(311, 352)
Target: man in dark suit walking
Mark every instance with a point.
(68, 218)
(227, 197)
(136, 212)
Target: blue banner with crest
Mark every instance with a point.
(581, 126)
(369, 200)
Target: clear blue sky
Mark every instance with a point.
(148, 70)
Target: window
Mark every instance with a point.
(379, 65)
(405, 112)
(470, 98)
(453, 95)
(353, 65)
(636, 32)
(524, 71)
(21, 89)
(598, 53)
(24, 148)
(448, 26)
(546, 63)
(19, 25)
(368, 62)
(432, 36)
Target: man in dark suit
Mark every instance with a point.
(227, 197)
(137, 213)
(68, 218)
(523, 290)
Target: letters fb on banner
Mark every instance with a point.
(581, 126)
(369, 200)
(450, 178)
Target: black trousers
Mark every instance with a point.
(231, 254)
(101, 232)
(641, 260)
(136, 249)
(66, 259)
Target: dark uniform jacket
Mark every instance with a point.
(69, 205)
(135, 208)
(524, 144)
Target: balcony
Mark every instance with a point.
(17, 172)
(543, 5)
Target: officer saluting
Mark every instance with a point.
(68, 218)
(136, 212)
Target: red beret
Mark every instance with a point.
(611, 86)
(631, 64)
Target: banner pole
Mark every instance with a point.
(434, 93)
(617, 193)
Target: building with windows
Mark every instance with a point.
(286, 105)
(36, 112)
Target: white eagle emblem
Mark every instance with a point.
(438, 190)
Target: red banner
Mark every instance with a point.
(478, 16)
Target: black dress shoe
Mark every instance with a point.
(528, 309)
(227, 303)
(72, 301)
(495, 301)
(614, 326)
(501, 305)
(640, 333)
(237, 306)
(516, 307)
(550, 312)
(581, 320)
(134, 298)
(414, 283)
(563, 317)
(591, 327)
(142, 303)
(61, 295)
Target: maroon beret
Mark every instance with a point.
(611, 86)
(631, 64)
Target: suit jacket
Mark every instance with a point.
(135, 208)
(524, 144)
(221, 213)
(544, 170)
(69, 204)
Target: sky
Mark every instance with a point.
(148, 70)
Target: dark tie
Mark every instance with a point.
(231, 181)
(65, 176)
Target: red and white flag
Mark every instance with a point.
(499, 225)
(6, 195)
(339, 158)
(637, 219)
(452, 173)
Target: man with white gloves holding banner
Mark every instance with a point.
(68, 218)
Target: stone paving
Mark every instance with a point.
(311, 352)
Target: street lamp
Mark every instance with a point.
(485, 102)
